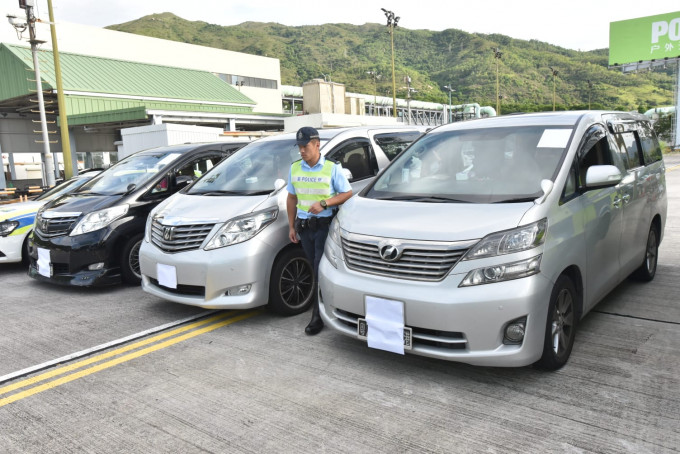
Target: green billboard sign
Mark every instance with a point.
(644, 39)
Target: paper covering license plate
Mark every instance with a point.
(362, 333)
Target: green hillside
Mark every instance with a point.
(432, 59)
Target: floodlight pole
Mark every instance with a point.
(61, 101)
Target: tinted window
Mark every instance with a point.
(628, 150)
(650, 145)
(594, 151)
(394, 143)
(357, 157)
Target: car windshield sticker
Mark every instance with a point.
(554, 138)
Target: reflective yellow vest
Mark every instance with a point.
(311, 187)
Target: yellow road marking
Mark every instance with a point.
(83, 373)
(118, 351)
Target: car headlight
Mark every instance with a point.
(7, 227)
(515, 240)
(333, 249)
(504, 272)
(242, 229)
(99, 219)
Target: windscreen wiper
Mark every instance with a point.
(425, 198)
(218, 192)
(518, 200)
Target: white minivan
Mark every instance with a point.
(487, 241)
(223, 242)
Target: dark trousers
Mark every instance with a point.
(313, 241)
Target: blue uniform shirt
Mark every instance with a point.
(339, 184)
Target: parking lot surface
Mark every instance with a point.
(119, 371)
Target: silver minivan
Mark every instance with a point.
(487, 241)
(223, 243)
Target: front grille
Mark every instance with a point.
(179, 238)
(446, 340)
(418, 260)
(60, 268)
(55, 225)
(183, 290)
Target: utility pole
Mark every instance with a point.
(61, 101)
(554, 74)
(47, 160)
(497, 54)
(392, 22)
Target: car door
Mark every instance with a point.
(626, 144)
(602, 218)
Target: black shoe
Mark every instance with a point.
(315, 326)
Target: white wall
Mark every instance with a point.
(88, 40)
(145, 137)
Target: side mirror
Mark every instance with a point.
(278, 184)
(347, 173)
(602, 176)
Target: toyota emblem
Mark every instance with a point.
(168, 233)
(390, 253)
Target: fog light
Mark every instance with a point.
(514, 332)
(238, 290)
(96, 266)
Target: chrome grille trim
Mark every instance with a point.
(51, 224)
(184, 237)
(438, 339)
(419, 260)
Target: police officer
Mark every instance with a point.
(316, 187)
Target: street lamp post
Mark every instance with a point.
(375, 76)
(554, 75)
(48, 162)
(450, 90)
(497, 54)
(392, 22)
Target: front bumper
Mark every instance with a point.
(203, 277)
(10, 248)
(450, 323)
(70, 257)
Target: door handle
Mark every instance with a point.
(616, 202)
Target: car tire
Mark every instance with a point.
(560, 330)
(647, 269)
(129, 260)
(292, 285)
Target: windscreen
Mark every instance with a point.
(250, 171)
(63, 188)
(476, 166)
(132, 172)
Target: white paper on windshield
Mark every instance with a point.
(167, 160)
(44, 262)
(554, 138)
(167, 275)
(385, 319)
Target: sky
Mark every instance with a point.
(573, 24)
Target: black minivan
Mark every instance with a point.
(91, 237)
